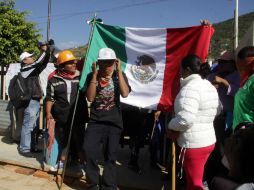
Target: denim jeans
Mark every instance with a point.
(29, 125)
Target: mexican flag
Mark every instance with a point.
(151, 59)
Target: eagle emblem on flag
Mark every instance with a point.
(145, 69)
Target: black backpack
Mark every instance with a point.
(20, 91)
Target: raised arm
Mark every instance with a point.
(91, 86)
(124, 87)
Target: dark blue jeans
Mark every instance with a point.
(101, 144)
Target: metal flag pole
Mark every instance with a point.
(75, 107)
(236, 26)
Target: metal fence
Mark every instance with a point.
(6, 117)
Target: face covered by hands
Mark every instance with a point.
(106, 67)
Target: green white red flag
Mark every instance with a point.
(150, 58)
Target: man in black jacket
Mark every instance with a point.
(31, 68)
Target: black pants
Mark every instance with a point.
(100, 137)
(62, 131)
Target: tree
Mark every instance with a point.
(16, 34)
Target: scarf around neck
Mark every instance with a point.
(68, 75)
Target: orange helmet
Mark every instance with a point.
(65, 56)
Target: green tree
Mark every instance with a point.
(16, 34)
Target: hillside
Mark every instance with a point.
(222, 39)
(224, 33)
(79, 51)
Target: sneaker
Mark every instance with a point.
(58, 166)
(27, 154)
(36, 150)
(205, 184)
(94, 187)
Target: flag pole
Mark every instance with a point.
(93, 21)
(236, 26)
(75, 107)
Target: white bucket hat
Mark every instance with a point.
(24, 55)
(106, 54)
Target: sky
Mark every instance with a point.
(69, 18)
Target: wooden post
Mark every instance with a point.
(41, 118)
(173, 181)
(4, 69)
(2, 82)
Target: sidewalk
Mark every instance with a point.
(10, 180)
(9, 154)
(149, 179)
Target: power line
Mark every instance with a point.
(58, 17)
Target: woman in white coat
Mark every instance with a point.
(195, 107)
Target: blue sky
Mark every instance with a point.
(69, 28)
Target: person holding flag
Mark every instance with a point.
(62, 90)
(103, 89)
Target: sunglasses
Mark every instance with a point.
(70, 62)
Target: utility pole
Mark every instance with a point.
(236, 25)
(49, 19)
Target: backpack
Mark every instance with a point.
(20, 91)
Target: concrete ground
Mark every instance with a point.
(149, 179)
(11, 180)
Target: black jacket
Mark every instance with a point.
(57, 93)
(32, 71)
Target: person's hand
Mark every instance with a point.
(173, 135)
(118, 65)
(216, 85)
(94, 68)
(205, 22)
(43, 47)
(157, 115)
(49, 116)
(218, 80)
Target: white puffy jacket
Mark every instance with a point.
(196, 106)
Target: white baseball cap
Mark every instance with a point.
(24, 55)
(106, 54)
